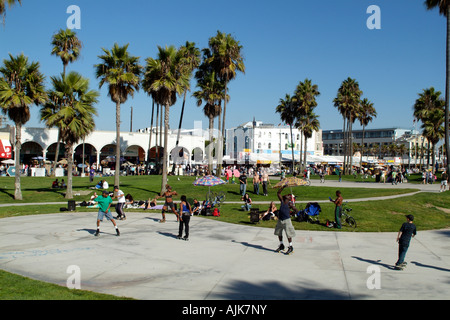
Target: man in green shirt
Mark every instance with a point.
(104, 203)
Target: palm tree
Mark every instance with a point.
(21, 86)
(429, 108)
(211, 92)
(226, 59)
(3, 4)
(122, 72)
(66, 46)
(347, 101)
(70, 107)
(190, 62)
(305, 97)
(366, 115)
(287, 108)
(444, 9)
(310, 125)
(164, 80)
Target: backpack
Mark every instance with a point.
(216, 212)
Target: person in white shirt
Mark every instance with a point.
(120, 196)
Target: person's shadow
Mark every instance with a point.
(377, 262)
(254, 246)
(429, 266)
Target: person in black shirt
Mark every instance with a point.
(407, 231)
(243, 183)
(284, 223)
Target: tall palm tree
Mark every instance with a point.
(305, 97)
(310, 125)
(365, 116)
(122, 72)
(9, 3)
(347, 101)
(227, 60)
(444, 9)
(66, 46)
(164, 80)
(211, 92)
(190, 61)
(429, 108)
(21, 86)
(287, 108)
(74, 103)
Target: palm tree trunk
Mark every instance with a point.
(117, 169)
(156, 140)
(56, 154)
(69, 150)
(165, 153)
(447, 91)
(219, 162)
(17, 147)
(304, 153)
(292, 148)
(211, 144)
(362, 148)
(151, 132)
(179, 127)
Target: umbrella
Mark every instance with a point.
(209, 181)
(236, 173)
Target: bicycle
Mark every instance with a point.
(346, 217)
(215, 198)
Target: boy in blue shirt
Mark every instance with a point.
(104, 203)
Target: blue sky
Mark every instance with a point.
(284, 42)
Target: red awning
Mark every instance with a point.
(5, 149)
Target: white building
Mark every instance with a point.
(266, 143)
(134, 146)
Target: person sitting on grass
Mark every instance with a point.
(247, 202)
(271, 213)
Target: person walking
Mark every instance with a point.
(185, 217)
(243, 183)
(444, 181)
(284, 223)
(256, 182)
(407, 231)
(120, 196)
(265, 181)
(338, 208)
(104, 203)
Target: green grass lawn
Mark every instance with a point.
(38, 189)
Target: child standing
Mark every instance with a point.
(104, 203)
(407, 231)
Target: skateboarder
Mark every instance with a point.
(407, 231)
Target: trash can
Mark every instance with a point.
(71, 205)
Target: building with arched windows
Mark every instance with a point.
(135, 147)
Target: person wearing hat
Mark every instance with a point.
(104, 203)
(407, 231)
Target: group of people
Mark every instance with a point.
(59, 184)
(105, 201)
(282, 215)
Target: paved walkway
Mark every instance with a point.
(221, 261)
